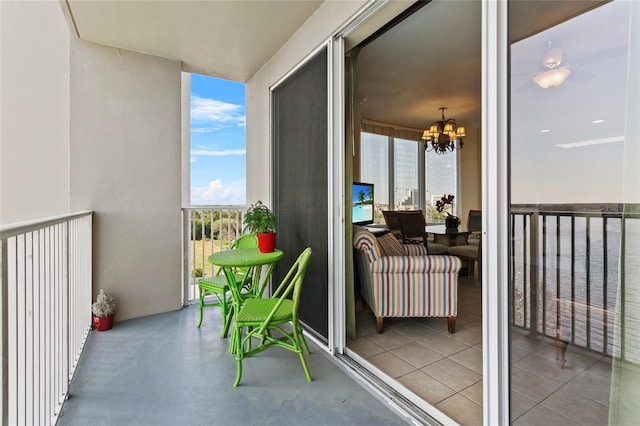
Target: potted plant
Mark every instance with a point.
(260, 220)
(104, 308)
(451, 221)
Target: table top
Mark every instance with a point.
(244, 257)
(443, 230)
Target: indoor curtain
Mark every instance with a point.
(351, 80)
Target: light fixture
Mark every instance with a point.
(553, 75)
(444, 135)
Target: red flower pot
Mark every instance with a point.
(103, 323)
(266, 242)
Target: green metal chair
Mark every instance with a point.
(218, 287)
(262, 317)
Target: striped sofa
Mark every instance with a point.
(403, 281)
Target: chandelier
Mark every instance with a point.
(444, 135)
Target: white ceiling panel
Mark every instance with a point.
(226, 39)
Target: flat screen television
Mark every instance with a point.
(362, 202)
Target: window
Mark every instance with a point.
(375, 169)
(440, 179)
(218, 142)
(405, 175)
(393, 163)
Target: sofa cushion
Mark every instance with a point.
(437, 248)
(390, 246)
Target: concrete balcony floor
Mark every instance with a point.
(162, 370)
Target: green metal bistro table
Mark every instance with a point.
(254, 282)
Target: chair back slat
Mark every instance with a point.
(412, 227)
(291, 283)
(474, 221)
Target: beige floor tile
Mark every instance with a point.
(414, 330)
(516, 354)
(541, 416)
(532, 386)
(474, 393)
(426, 387)
(364, 347)
(443, 344)
(391, 364)
(520, 404)
(580, 409)
(454, 375)
(435, 323)
(592, 385)
(389, 339)
(468, 336)
(547, 368)
(462, 410)
(416, 354)
(470, 358)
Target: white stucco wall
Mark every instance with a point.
(34, 147)
(329, 17)
(125, 165)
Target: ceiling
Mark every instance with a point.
(431, 59)
(424, 63)
(198, 33)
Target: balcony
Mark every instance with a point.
(562, 337)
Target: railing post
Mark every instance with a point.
(4, 329)
(533, 272)
(186, 222)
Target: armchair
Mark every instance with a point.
(403, 281)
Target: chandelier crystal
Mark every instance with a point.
(444, 135)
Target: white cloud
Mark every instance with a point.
(216, 114)
(221, 153)
(219, 193)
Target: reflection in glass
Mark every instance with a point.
(575, 231)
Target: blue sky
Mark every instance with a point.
(218, 141)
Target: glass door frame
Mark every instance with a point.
(494, 165)
(495, 217)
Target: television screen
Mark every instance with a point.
(362, 194)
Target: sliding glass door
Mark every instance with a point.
(574, 213)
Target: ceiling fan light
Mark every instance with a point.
(554, 77)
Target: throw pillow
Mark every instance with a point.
(390, 246)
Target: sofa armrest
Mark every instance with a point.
(408, 264)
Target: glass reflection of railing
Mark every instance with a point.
(564, 270)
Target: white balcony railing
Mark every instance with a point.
(46, 313)
(206, 230)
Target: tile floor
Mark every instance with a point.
(446, 369)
